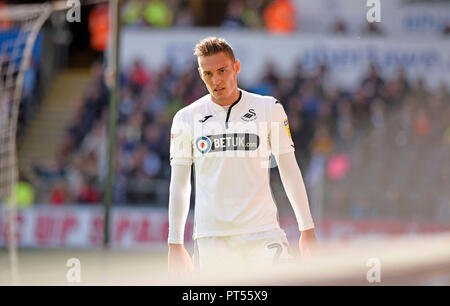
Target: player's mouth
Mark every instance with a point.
(219, 90)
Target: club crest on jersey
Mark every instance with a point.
(203, 144)
(250, 116)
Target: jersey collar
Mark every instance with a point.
(220, 108)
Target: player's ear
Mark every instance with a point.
(237, 66)
(200, 73)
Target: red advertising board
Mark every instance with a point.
(82, 227)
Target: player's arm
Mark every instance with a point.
(294, 186)
(179, 260)
(282, 148)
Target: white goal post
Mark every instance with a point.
(20, 25)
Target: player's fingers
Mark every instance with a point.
(187, 268)
(190, 268)
(315, 250)
(174, 268)
(305, 253)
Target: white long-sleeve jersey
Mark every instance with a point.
(230, 150)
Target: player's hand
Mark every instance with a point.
(179, 261)
(308, 244)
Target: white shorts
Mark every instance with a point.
(258, 250)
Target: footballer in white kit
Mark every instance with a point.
(229, 136)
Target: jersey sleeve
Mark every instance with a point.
(180, 141)
(280, 136)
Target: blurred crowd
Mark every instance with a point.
(400, 166)
(32, 89)
(380, 150)
(276, 16)
(386, 141)
(384, 138)
(273, 15)
(148, 101)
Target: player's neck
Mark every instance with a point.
(227, 102)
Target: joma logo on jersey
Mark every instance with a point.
(250, 116)
(227, 142)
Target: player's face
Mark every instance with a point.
(219, 74)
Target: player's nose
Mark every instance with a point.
(217, 81)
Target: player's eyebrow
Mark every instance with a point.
(206, 71)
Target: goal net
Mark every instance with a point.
(19, 27)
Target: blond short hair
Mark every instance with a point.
(213, 45)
